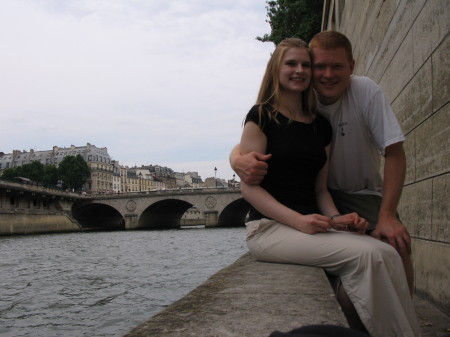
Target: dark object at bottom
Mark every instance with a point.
(320, 331)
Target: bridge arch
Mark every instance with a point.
(98, 216)
(165, 214)
(234, 214)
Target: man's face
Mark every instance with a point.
(331, 73)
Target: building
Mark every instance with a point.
(188, 180)
(194, 180)
(98, 160)
(214, 182)
(138, 179)
(107, 176)
(192, 217)
(117, 181)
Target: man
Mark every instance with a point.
(364, 127)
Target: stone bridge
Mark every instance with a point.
(161, 209)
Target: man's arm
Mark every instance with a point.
(250, 167)
(389, 228)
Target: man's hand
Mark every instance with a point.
(389, 229)
(250, 167)
(350, 222)
(393, 232)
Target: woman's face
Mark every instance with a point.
(295, 70)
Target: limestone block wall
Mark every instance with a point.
(17, 223)
(404, 46)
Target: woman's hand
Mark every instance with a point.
(312, 223)
(351, 222)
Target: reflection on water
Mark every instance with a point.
(104, 283)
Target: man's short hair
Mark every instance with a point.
(332, 40)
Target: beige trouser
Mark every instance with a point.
(370, 271)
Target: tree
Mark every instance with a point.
(293, 18)
(9, 174)
(50, 177)
(33, 171)
(73, 171)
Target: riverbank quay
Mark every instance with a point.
(253, 299)
(36, 222)
(34, 209)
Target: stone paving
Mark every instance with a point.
(252, 299)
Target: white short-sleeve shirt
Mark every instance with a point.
(363, 126)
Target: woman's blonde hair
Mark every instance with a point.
(269, 95)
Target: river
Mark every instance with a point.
(104, 283)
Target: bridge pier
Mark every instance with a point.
(211, 218)
(131, 221)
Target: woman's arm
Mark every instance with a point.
(351, 221)
(253, 139)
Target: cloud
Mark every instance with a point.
(153, 81)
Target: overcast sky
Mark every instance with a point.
(155, 81)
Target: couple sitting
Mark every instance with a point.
(313, 183)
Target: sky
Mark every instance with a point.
(162, 82)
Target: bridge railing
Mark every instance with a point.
(36, 188)
(165, 191)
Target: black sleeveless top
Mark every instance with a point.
(298, 154)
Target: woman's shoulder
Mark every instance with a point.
(254, 114)
(257, 107)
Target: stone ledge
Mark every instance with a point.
(252, 299)
(249, 298)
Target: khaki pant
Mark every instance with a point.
(370, 271)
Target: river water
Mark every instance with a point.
(104, 283)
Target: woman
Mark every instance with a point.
(293, 218)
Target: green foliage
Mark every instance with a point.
(73, 172)
(50, 177)
(9, 174)
(293, 18)
(33, 171)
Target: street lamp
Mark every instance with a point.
(215, 179)
(234, 181)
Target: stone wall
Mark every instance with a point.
(18, 223)
(404, 46)
(33, 209)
